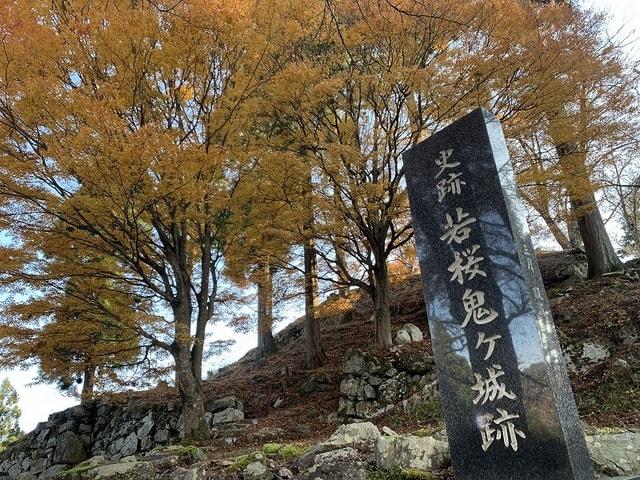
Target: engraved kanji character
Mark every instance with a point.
(482, 339)
(451, 185)
(473, 301)
(489, 389)
(458, 268)
(457, 232)
(508, 432)
(442, 161)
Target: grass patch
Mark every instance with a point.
(402, 474)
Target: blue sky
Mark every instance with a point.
(38, 401)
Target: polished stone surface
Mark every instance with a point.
(508, 405)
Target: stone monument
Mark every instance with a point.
(508, 405)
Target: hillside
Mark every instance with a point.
(598, 324)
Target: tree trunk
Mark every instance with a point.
(314, 355)
(381, 304)
(190, 388)
(601, 256)
(88, 384)
(187, 374)
(266, 343)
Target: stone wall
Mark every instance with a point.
(374, 385)
(110, 430)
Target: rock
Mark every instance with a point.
(223, 403)
(593, 352)
(145, 428)
(409, 333)
(615, 454)
(26, 476)
(285, 473)
(129, 445)
(360, 436)
(416, 363)
(402, 337)
(161, 436)
(351, 387)
(423, 453)
(124, 471)
(372, 409)
(318, 382)
(69, 449)
(346, 408)
(369, 392)
(341, 464)
(257, 471)
(358, 362)
(229, 415)
(278, 403)
(563, 268)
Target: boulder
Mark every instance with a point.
(257, 471)
(422, 453)
(408, 333)
(615, 454)
(341, 464)
(358, 436)
(124, 471)
(560, 269)
(229, 415)
(69, 449)
(402, 337)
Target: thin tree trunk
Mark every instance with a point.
(341, 263)
(266, 343)
(314, 355)
(556, 231)
(381, 304)
(88, 384)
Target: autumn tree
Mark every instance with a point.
(9, 414)
(76, 331)
(583, 105)
(118, 129)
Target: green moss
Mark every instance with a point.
(241, 462)
(284, 452)
(402, 474)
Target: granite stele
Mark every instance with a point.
(508, 405)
